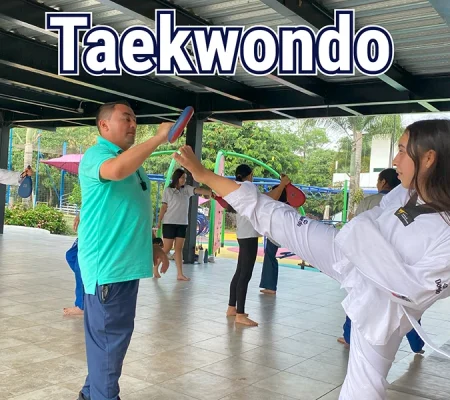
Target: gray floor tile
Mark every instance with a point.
(184, 347)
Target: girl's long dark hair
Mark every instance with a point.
(177, 174)
(433, 134)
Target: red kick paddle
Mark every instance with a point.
(295, 196)
(178, 128)
(221, 201)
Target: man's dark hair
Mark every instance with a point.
(105, 110)
(390, 176)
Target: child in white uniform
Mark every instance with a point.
(393, 261)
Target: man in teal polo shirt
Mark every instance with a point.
(115, 243)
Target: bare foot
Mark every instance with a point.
(242, 319)
(268, 291)
(183, 278)
(73, 311)
(156, 272)
(231, 312)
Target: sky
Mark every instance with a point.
(410, 118)
(406, 120)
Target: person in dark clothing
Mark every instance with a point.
(269, 274)
(247, 238)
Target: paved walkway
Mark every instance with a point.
(184, 347)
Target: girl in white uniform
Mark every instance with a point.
(393, 260)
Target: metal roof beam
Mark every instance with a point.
(21, 108)
(313, 86)
(25, 54)
(34, 17)
(49, 85)
(27, 96)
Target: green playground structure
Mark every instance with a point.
(220, 164)
(212, 213)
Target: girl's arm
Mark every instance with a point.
(277, 192)
(379, 261)
(13, 178)
(203, 191)
(162, 212)
(219, 184)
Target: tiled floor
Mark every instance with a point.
(183, 346)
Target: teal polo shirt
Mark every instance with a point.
(115, 230)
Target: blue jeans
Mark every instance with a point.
(269, 275)
(72, 260)
(108, 325)
(415, 341)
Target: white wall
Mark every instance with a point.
(366, 180)
(379, 159)
(380, 153)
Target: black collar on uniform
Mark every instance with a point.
(408, 213)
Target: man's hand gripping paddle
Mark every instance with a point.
(178, 128)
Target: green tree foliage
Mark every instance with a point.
(295, 148)
(51, 146)
(274, 144)
(358, 131)
(344, 154)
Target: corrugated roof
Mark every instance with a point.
(421, 36)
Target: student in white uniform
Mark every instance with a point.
(393, 260)
(269, 274)
(174, 215)
(387, 180)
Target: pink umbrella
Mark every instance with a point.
(68, 162)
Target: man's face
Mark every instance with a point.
(121, 127)
(380, 184)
